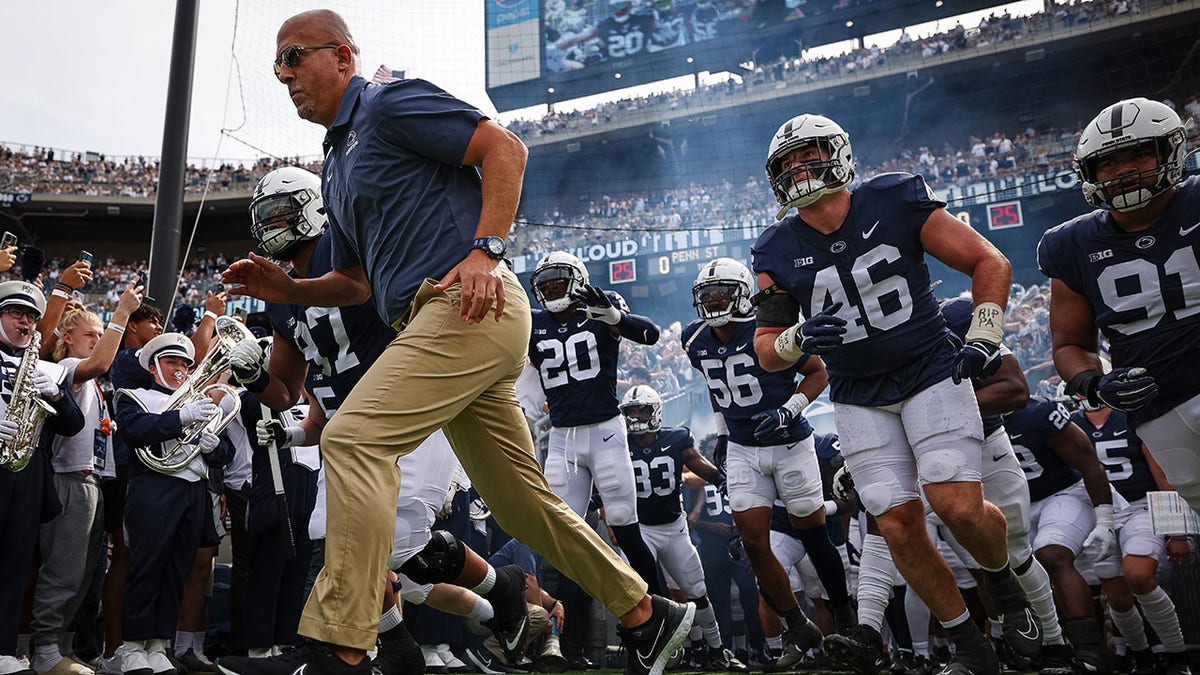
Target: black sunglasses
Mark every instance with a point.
(290, 57)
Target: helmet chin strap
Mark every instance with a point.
(160, 376)
(9, 339)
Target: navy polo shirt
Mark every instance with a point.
(399, 200)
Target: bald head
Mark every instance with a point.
(324, 26)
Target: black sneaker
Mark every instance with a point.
(1057, 660)
(399, 653)
(511, 623)
(973, 656)
(859, 650)
(651, 644)
(796, 643)
(310, 658)
(1176, 663)
(719, 659)
(1020, 624)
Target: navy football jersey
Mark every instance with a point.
(737, 383)
(896, 342)
(577, 364)
(625, 38)
(339, 343)
(1144, 288)
(1031, 430)
(657, 471)
(716, 508)
(1120, 451)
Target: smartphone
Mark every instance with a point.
(85, 257)
(8, 240)
(143, 281)
(240, 312)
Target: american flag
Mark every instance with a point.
(385, 75)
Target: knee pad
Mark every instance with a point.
(877, 498)
(802, 508)
(943, 466)
(620, 512)
(440, 562)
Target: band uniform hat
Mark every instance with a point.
(167, 344)
(23, 294)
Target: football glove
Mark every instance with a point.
(46, 388)
(843, 485)
(269, 431)
(1102, 540)
(597, 305)
(822, 332)
(246, 360)
(1124, 389)
(779, 426)
(977, 359)
(721, 451)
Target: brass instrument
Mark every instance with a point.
(27, 409)
(177, 454)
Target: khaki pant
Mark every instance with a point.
(443, 372)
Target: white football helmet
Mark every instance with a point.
(285, 210)
(723, 278)
(1134, 122)
(556, 266)
(824, 177)
(642, 396)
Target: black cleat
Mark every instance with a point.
(1057, 660)
(651, 645)
(858, 650)
(398, 653)
(844, 615)
(721, 660)
(974, 655)
(1176, 663)
(1142, 662)
(796, 643)
(1020, 624)
(511, 623)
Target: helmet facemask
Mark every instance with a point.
(554, 286)
(1134, 190)
(279, 223)
(820, 176)
(719, 301)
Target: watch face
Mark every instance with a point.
(495, 245)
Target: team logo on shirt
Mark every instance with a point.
(838, 247)
(351, 141)
(1144, 242)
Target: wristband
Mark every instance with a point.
(719, 422)
(796, 404)
(831, 508)
(113, 326)
(60, 293)
(210, 314)
(63, 286)
(786, 347)
(1104, 515)
(987, 324)
(58, 331)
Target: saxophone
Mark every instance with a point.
(27, 409)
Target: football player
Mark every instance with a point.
(1132, 474)
(659, 455)
(770, 448)
(322, 352)
(623, 33)
(1072, 506)
(1131, 270)
(669, 26)
(851, 266)
(574, 347)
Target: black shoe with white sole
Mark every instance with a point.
(650, 645)
(310, 658)
(511, 623)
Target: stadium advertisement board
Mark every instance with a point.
(513, 47)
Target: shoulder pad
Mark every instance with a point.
(887, 181)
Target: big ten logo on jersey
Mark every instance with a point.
(323, 339)
(882, 305)
(730, 382)
(655, 477)
(1144, 289)
(715, 503)
(573, 358)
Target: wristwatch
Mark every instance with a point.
(494, 247)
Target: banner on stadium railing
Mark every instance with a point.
(514, 47)
(1011, 188)
(10, 198)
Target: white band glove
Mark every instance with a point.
(843, 485)
(1103, 539)
(208, 442)
(8, 430)
(46, 388)
(197, 410)
(273, 431)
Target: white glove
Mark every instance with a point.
(46, 388)
(843, 485)
(8, 430)
(208, 442)
(273, 431)
(247, 358)
(1102, 541)
(200, 409)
